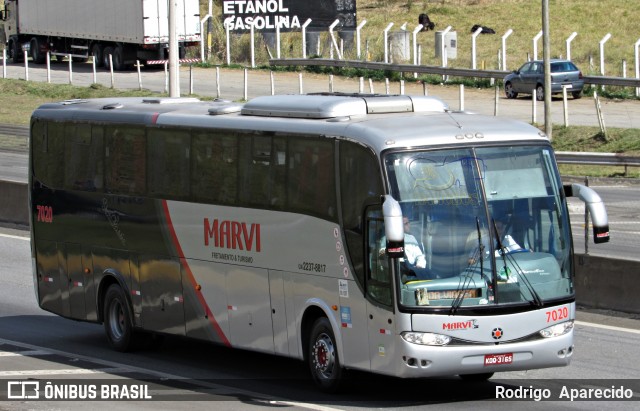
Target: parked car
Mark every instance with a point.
(530, 77)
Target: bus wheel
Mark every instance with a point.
(476, 377)
(117, 320)
(324, 362)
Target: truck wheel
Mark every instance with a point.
(96, 50)
(324, 362)
(15, 52)
(118, 58)
(36, 54)
(105, 57)
(118, 324)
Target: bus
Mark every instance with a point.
(283, 225)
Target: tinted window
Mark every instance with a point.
(48, 151)
(125, 160)
(169, 151)
(311, 185)
(214, 174)
(84, 157)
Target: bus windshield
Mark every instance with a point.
(482, 226)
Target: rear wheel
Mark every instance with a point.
(539, 92)
(118, 58)
(37, 55)
(96, 50)
(15, 52)
(324, 362)
(577, 94)
(118, 324)
(108, 51)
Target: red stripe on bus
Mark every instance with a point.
(192, 279)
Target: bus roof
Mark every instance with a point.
(379, 121)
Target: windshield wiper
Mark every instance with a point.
(503, 253)
(462, 289)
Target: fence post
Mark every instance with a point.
(4, 63)
(300, 83)
(48, 67)
(361, 85)
(190, 79)
(386, 42)
(93, 67)
(534, 106)
(371, 86)
(461, 97)
(535, 44)
(474, 36)
(304, 38)
(277, 41)
(569, 40)
(402, 87)
(253, 46)
(386, 85)
(333, 38)
(227, 30)
(246, 86)
(504, 48)
(604, 40)
(26, 66)
(166, 75)
(70, 68)
(637, 62)
(137, 67)
(495, 104)
(603, 128)
(330, 83)
(358, 29)
(273, 85)
(565, 106)
(217, 81)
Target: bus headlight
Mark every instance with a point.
(557, 329)
(425, 338)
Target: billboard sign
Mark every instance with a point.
(289, 15)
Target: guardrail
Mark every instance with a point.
(444, 71)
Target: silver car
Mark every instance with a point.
(530, 77)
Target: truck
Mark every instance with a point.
(126, 30)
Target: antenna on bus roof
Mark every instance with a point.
(453, 118)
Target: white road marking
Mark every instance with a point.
(608, 327)
(15, 237)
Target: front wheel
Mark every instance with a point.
(324, 362)
(118, 324)
(509, 91)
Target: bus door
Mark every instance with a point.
(379, 294)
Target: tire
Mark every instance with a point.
(15, 52)
(118, 324)
(34, 50)
(323, 358)
(577, 94)
(539, 92)
(476, 377)
(105, 57)
(118, 58)
(509, 91)
(96, 51)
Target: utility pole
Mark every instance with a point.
(548, 127)
(174, 80)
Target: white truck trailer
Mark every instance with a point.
(128, 30)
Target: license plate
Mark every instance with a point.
(498, 359)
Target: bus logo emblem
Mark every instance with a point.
(497, 333)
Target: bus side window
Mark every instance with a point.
(84, 162)
(125, 160)
(214, 167)
(168, 173)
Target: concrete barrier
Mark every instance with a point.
(14, 203)
(600, 282)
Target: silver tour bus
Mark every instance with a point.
(379, 233)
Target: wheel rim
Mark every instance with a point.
(324, 356)
(540, 93)
(116, 320)
(509, 90)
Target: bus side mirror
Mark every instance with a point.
(393, 227)
(596, 208)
